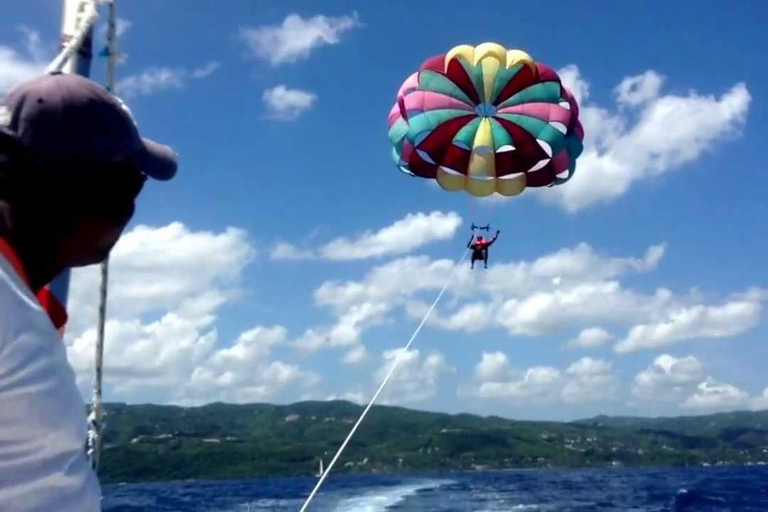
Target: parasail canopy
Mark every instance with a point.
(486, 120)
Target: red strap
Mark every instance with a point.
(47, 299)
(53, 307)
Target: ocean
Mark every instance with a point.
(742, 489)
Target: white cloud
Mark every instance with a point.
(493, 366)
(586, 380)
(351, 396)
(286, 251)
(495, 378)
(565, 268)
(157, 79)
(570, 76)
(33, 44)
(355, 355)
(394, 281)
(150, 81)
(589, 380)
(667, 379)
(670, 131)
(346, 332)
(712, 395)
(681, 382)
(154, 270)
(416, 377)
(206, 70)
(695, 322)
(640, 89)
(243, 371)
(588, 366)
(18, 67)
(405, 235)
(287, 104)
(535, 382)
(569, 288)
(590, 338)
(167, 286)
(760, 402)
(296, 37)
(121, 27)
(586, 303)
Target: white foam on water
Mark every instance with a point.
(381, 498)
(505, 508)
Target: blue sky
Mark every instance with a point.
(230, 284)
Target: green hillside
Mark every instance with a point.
(152, 442)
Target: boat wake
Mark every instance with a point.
(380, 499)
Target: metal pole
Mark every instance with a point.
(74, 15)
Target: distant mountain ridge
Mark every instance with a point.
(164, 442)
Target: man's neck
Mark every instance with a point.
(36, 260)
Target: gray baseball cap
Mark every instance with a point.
(63, 115)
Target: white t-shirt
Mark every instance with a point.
(43, 465)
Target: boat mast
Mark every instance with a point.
(75, 14)
(75, 57)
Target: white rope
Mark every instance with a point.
(94, 419)
(89, 19)
(384, 383)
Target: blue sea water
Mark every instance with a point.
(743, 489)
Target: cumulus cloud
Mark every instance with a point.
(416, 377)
(681, 382)
(535, 382)
(493, 366)
(296, 37)
(586, 380)
(157, 79)
(356, 354)
(345, 332)
(572, 288)
(648, 134)
(287, 104)
(590, 338)
(668, 378)
(154, 270)
(405, 235)
(694, 322)
(589, 380)
(167, 286)
(286, 251)
(712, 395)
(206, 70)
(243, 371)
(18, 66)
(639, 89)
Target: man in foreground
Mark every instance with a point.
(71, 166)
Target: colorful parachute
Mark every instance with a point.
(486, 120)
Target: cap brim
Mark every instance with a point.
(157, 161)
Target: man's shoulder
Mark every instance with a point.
(19, 309)
(14, 293)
